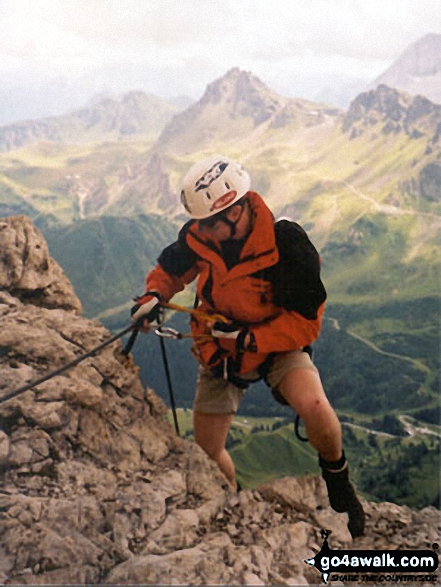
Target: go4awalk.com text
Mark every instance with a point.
(392, 566)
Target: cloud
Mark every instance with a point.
(189, 41)
(379, 29)
(83, 32)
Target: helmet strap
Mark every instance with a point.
(230, 223)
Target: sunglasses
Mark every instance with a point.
(211, 221)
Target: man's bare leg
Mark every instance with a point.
(210, 433)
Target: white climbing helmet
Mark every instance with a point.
(212, 185)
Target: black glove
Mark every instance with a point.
(147, 308)
(245, 340)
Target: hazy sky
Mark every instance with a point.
(171, 47)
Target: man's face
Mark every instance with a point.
(219, 225)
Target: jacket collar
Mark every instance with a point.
(259, 251)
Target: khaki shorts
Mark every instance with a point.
(218, 396)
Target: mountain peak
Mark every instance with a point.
(418, 69)
(245, 93)
(423, 58)
(239, 80)
(231, 106)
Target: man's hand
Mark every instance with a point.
(233, 331)
(146, 310)
(221, 330)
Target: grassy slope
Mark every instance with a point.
(49, 176)
(317, 175)
(260, 454)
(270, 455)
(112, 256)
(383, 466)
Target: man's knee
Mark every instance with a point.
(316, 408)
(303, 391)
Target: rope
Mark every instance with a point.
(169, 384)
(170, 333)
(63, 368)
(197, 313)
(125, 352)
(135, 331)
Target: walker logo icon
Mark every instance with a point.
(211, 175)
(391, 566)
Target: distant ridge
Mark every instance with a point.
(133, 115)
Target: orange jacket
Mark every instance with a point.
(241, 293)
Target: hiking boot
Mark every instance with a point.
(342, 498)
(356, 519)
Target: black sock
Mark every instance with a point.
(333, 465)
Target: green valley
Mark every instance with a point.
(399, 467)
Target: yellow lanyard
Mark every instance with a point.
(197, 313)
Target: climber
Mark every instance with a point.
(264, 276)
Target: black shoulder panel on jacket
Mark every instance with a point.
(296, 277)
(178, 258)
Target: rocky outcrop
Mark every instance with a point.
(395, 112)
(96, 487)
(430, 182)
(26, 269)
